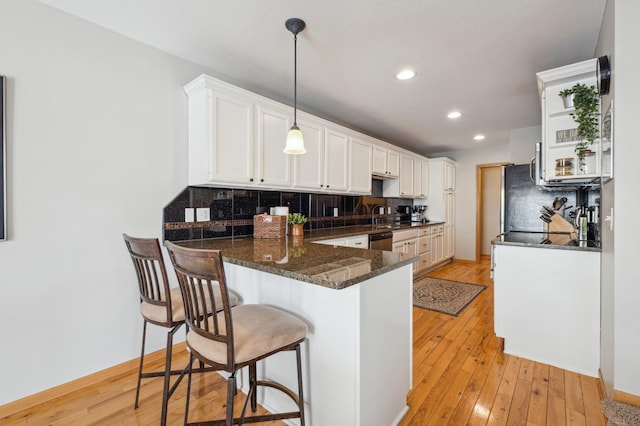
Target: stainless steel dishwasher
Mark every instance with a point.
(381, 241)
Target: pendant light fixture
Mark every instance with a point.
(295, 142)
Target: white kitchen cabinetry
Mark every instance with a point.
(221, 141)
(272, 168)
(424, 250)
(406, 241)
(449, 225)
(559, 134)
(407, 170)
(309, 167)
(437, 245)
(421, 178)
(336, 160)
(385, 162)
(357, 241)
(448, 175)
(359, 166)
(547, 305)
(413, 181)
(442, 203)
(236, 138)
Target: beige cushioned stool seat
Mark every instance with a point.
(257, 330)
(158, 313)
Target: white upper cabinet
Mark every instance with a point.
(386, 162)
(559, 129)
(309, 167)
(221, 129)
(273, 167)
(407, 170)
(449, 176)
(236, 139)
(421, 178)
(360, 166)
(336, 165)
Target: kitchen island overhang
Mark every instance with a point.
(357, 360)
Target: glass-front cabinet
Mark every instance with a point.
(559, 161)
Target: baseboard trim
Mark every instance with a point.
(627, 398)
(57, 391)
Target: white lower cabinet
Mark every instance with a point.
(406, 241)
(424, 251)
(357, 241)
(437, 244)
(360, 241)
(547, 305)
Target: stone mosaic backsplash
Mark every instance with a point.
(231, 211)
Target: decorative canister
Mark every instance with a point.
(589, 162)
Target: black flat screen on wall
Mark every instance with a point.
(3, 164)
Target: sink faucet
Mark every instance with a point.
(373, 211)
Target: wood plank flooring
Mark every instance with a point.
(461, 377)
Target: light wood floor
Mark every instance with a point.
(460, 377)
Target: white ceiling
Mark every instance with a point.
(477, 56)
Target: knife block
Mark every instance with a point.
(560, 224)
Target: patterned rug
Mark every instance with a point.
(620, 414)
(448, 297)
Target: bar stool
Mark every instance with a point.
(233, 338)
(159, 305)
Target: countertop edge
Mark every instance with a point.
(340, 232)
(335, 285)
(545, 246)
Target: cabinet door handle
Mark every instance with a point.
(250, 179)
(261, 180)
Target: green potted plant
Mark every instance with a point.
(296, 222)
(586, 113)
(567, 97)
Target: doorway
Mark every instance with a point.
(488, 190)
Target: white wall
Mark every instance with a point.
(626, 202)
(519, 151)
(97, 145)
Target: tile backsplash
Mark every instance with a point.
(231, 211)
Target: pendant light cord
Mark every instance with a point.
(295, 79)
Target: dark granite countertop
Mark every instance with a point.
(301, 259)
(561, 241)
(350, 231)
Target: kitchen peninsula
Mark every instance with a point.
(547, 299)
(357, 358)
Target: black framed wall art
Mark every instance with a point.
(3, 159)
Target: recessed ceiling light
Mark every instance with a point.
(405, 74)
(454, 114)
(478, 137)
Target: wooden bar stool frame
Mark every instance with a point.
(154, 291)
(197, 270)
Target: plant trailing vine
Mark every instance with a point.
(586, 114)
